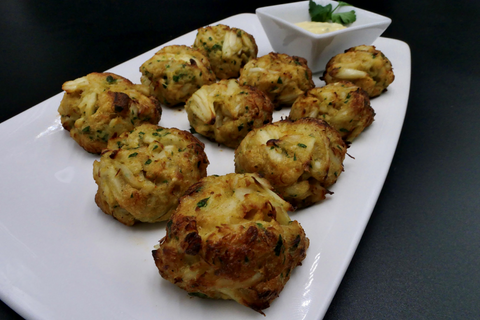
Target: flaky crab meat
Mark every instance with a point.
(226, 111)
(281, 77)
(345, 106)
(228, 49)
(231, 238)
(301, 159)
(143, 173)
(100, 106)
(175, 72)
(365, 66)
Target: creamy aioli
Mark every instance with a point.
(320, 27)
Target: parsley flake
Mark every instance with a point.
(278, 246)
(198, 294)
(202, 203)
(111, 80)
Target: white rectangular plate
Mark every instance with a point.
(62, 258)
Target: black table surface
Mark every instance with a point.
(419, 257)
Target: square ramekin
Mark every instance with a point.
(278, 21)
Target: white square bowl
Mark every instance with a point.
(285, 37)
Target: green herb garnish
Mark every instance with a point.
(202, 203)
(198, 294)
(111, 80)
(278, 246)
(321, 13)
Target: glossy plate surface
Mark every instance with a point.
(62, 258)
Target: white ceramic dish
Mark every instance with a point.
(285, 37)
(62, 258)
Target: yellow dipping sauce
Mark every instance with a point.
(320, 27)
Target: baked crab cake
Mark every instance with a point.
(282, 77)
(227, 49)
(231, 238)
(175, 72)
(301, 159)
(343, 105)
(100, 106)
(365, 66)
(226, 111)
(143, 173)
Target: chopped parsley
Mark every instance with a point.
(278, 246)
(111, 80)
(169, 227)
(198, 294)
(216, 47)
(260, 226)
(202, 203)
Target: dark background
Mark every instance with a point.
(419, 257)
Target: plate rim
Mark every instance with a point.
(22, 308)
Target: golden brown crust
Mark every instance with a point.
(301, 159)
(365, 66)
(225, 111)
(231, 238)
(345, 106)
(228, 49)
(142, 174)
(282, 77)
(175, 72)
(100, 106)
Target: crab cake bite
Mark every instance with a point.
(226, 111)
(100, 106)
(143, 173)
(282, 77)
(175, 72)
(343, 105)
(301, 159)
(227, 49)
(231, 238)
(365, 66)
